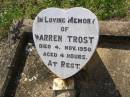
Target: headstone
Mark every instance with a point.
(65, 39)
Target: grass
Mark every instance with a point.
(128, 15)
(12, 10)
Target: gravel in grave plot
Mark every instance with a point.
(36, 79)
(6, 55)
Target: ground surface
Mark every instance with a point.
(106, 75)
(6, 53)
(36, 79)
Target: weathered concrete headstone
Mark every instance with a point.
(65, 39)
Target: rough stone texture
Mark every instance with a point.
(36, 79)
(106, 75)
(63, 88)
(61, 84)
(6, 53)
(114, 28)
(13, 55)
(117, 62)
(27, 25)
(65, 93)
